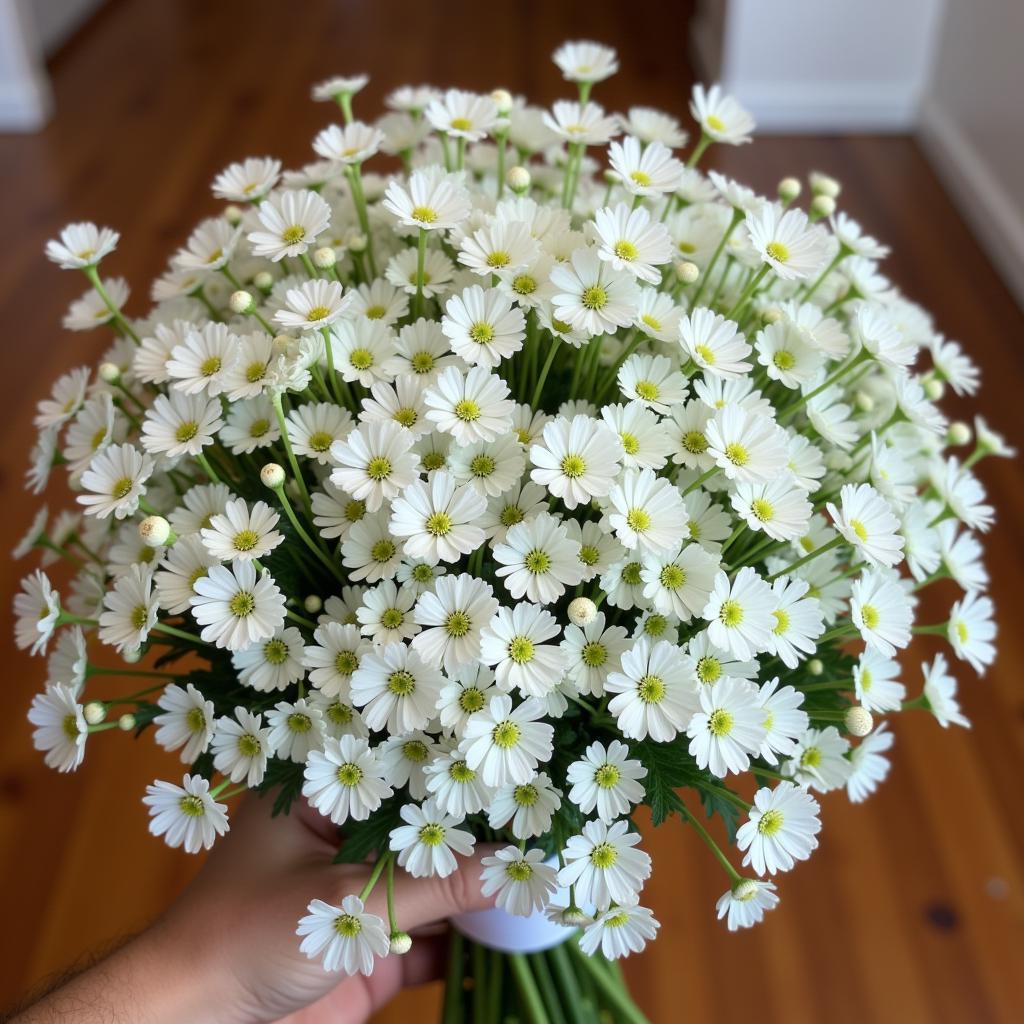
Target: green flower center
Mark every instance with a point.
(242, 604)
(378, 468)
(607, 776)
(630, 443)
(192, 806)
(737, 454)
(415, 751)
(422, 362)
(520, 650)
(647, 390)
(859, 528)
(519, 870)
(320, 440)
(121, 487)
(431, 835)
(293, 234)
(299, 722)
(457, 624)
(594, 654)
(438, 524)
(471, 699)
(720, 722)
(392, 618)
(626, 251)
(461, 772)
(246, 540)
(603, 856)
(186, 431)
(777, 251)
(731, 613)
(347, 926)
(481, 332)
(498, 258)
(505, 735)
(651, 689)
(249, 745)
(538, 561)
(402, 683)
(638, 519)
(695, 442)
(784, 360)
(574, 466)
(210, 365)
(672, 577)
(869, 615)
(467, 410)
(345, 663)
(361, 358)
(424, 214)
(595, 297)
(526, 795)
(631, 574)
(482, 465)
(510, 515)
(782, 623)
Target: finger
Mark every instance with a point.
(425, 961)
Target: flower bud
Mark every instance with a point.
(357, 242)
(154, 531)
(959, 433)
(325, 257)
(824, 185)
(401, 942)
(573, 917)
(858, 721)
(131, 655)
(864, 401)
(313, 604)
(582, 611)
(744, 889)
(283, 344)
(94, 712)
(126, 722)
(822, 206)
(110, 373)
(789, 189)
(242, 301)
(264, 280)
(934, 388)
(518, 179)
(815, 666)
(272, 475)
(686, 271)
(233, 214)
(502, 100)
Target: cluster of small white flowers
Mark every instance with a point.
(472, 470)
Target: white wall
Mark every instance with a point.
(972, 124)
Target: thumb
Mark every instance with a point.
(422, 901)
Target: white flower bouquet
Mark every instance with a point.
(498, 496)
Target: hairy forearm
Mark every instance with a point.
(143, 982)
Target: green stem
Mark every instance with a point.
(833, 543)
(382, 863)
(478, 957)
(700, 480)
(748, 292)
(546, 985)
(92, 274)
(544, 371)
(207, 468)
(836, 260)
(359, 199)
(734, 875)
(532, 1002)
(162, 627)
(614, 993)
(737, 216)
(292, 461)
(703, 142)
(568, 982)
(452, 1012)
(421, 258)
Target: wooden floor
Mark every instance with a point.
(912, 910)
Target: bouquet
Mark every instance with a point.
(539, 479)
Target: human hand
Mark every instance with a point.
(227, 951)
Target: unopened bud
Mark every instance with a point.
(131, 655)
(858, 721)
(264, 280)
(789, 189)
(502, 100)
(283, 344)
(822, 206)
(272, 475)
(824, 185)
(126, 722)
(573, 917)
(815, 666)
(401, 943)
(325, 257)
(94, 712)
(242, 301)
(864, 401)
(313, 604)
(110, 373)
(357, 242)
(518, 179)
(582, 611)
(233, 214)
(934, 388)
(687, 271)
(959, 433)
(155, 531)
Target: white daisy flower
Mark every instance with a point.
(505, 744)
(404, 760)
(273, 664)
(679, 583)
(396, 689)
(334, 512)
(184, 563)
(363, 350)
(960, 554)
(471, 406)
(314, 427)
(36, 611)
(65, 399)
(185, 815)
(529, 806)
(462, 115)
(880, 611)
(744, 905)
(115, 481)
(629, 240)
(652, 380)
(971, 631)
(538, 560)
(291, 221)
(403, 271)
(198, 506)
(422, 350)
(577, 460)
(92, 311)
(426, 845)
(313, 305)
(650, 125)
(210, 247)
(247, 181)
(728, 729)
(379, 300)
(250, 425)
(431, 201)
(819, 760)
(384, 616)
(604, 866)
(714, 343)
(646, 512)
(493, 468)
(68, 662)
(740, 614)
(454, 786)
(374, 462)
(185, 722)
(798, 621)
(869, 765)
(200, 362)
(514, 643)
(401, 401)
(963, 493)
(336, 654)
(483, 327)
(876, 682)
(344, 780)
(338, 86)
(235, 608)
(606, 779)
(940, 694)
(593, 297)
(510, 507)
(241, 532)
(746, 445)
(585, 61)
(583, 124)
(455, 614)
(369, 552)
(504, 246)
(592, 652)
(781, 829)
(438, 518)
(786, 353)
(130, 610)
(81, 245)
(519, 880)
(645, 170)
(787, 242)
(720, 116)
(867, 522)
(296, 729)
(778, 508)
(240, 747)
(619, 931)
(468, 692)
(880, 336)
(60, 728)
(784, 720)
(180, 424)
(644, 441)
(655, 693)
(345, 938)
(352, 144)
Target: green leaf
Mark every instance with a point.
(286, 777)
(363, 839)
(716, 804)
(669, 767)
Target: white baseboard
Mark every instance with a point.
(996, 218)
(25, 106)
(830, 108)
